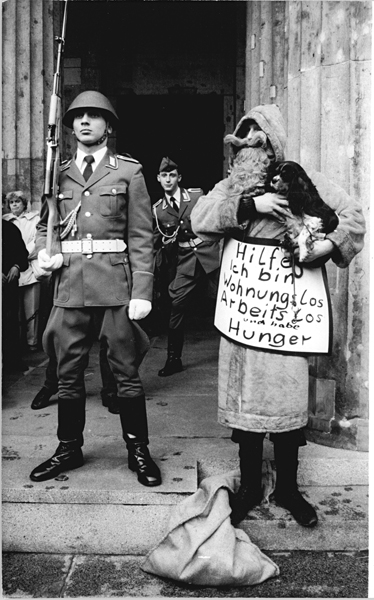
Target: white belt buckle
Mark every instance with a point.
(87, 246)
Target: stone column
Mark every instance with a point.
(28, 50)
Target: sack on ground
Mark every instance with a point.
(201, 546)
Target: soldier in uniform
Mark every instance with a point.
(103, 284)
(195, 259)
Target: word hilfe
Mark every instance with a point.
(260, 256)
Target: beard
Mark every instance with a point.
(249, 170)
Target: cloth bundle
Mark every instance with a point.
(201, 547)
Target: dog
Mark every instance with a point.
(311, 217)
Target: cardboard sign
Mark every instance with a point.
(265, 302)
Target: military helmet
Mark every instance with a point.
(91, 99)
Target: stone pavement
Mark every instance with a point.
(84, 533)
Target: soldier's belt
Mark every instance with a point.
(89, 246)
(191, 243)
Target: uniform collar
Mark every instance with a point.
(176, 196)
(98, 156)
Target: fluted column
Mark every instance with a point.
(28, 49)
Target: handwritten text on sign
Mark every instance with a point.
(254, 301)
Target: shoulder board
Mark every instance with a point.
(194, 190)
(65, 164)
(128, 158)
(157, 203)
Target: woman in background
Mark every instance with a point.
(29, 286)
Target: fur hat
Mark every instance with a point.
(269, 118)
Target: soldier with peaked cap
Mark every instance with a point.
(195, 259)
(103, 284)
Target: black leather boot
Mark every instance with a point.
(42, 398)
(68, 456)
(109, 390)
(71, 421)
(110, 401)
(50, 387)
(133, 417)
(286, 492)
(142, 463)
(173, 362)
(250, 492)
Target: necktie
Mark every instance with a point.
(89, 159)
(174, 203)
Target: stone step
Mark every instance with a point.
(109, 512)
(102, 509)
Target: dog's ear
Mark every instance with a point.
(302, 184)
(298, 196)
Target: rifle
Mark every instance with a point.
(53, 140)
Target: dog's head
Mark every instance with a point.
(289, 179)
(286, 174)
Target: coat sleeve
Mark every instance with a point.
(348, 237)
(140, 237)
(216, 214)
(16, 248)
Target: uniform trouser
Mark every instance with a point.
(29, 298)
(181, 290)
(70, 333)
(108, 381)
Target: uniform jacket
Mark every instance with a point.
(176, 226)
(114, 205)
(264, 391)
(26, 223)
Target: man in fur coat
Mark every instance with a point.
(259, 391)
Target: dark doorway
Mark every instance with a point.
(188, 129)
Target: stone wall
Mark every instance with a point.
(313, 59)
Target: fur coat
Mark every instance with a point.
(258, 390)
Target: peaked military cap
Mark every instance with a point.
(167, 165)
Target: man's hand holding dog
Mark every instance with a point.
(320, 249)
(272, 205)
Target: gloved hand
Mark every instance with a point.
(139, 309)
(49, 263)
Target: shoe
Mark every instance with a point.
(110, 401)
(243, 501)
(141, 462)
(172, 365)
(42, 398)
(65, 458)
(300, 509)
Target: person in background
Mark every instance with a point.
(191, 259)
(262, 392)
(103, 284)
(29, 286)
(14, 260)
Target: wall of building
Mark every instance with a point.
(27, 61)
(313, 59)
